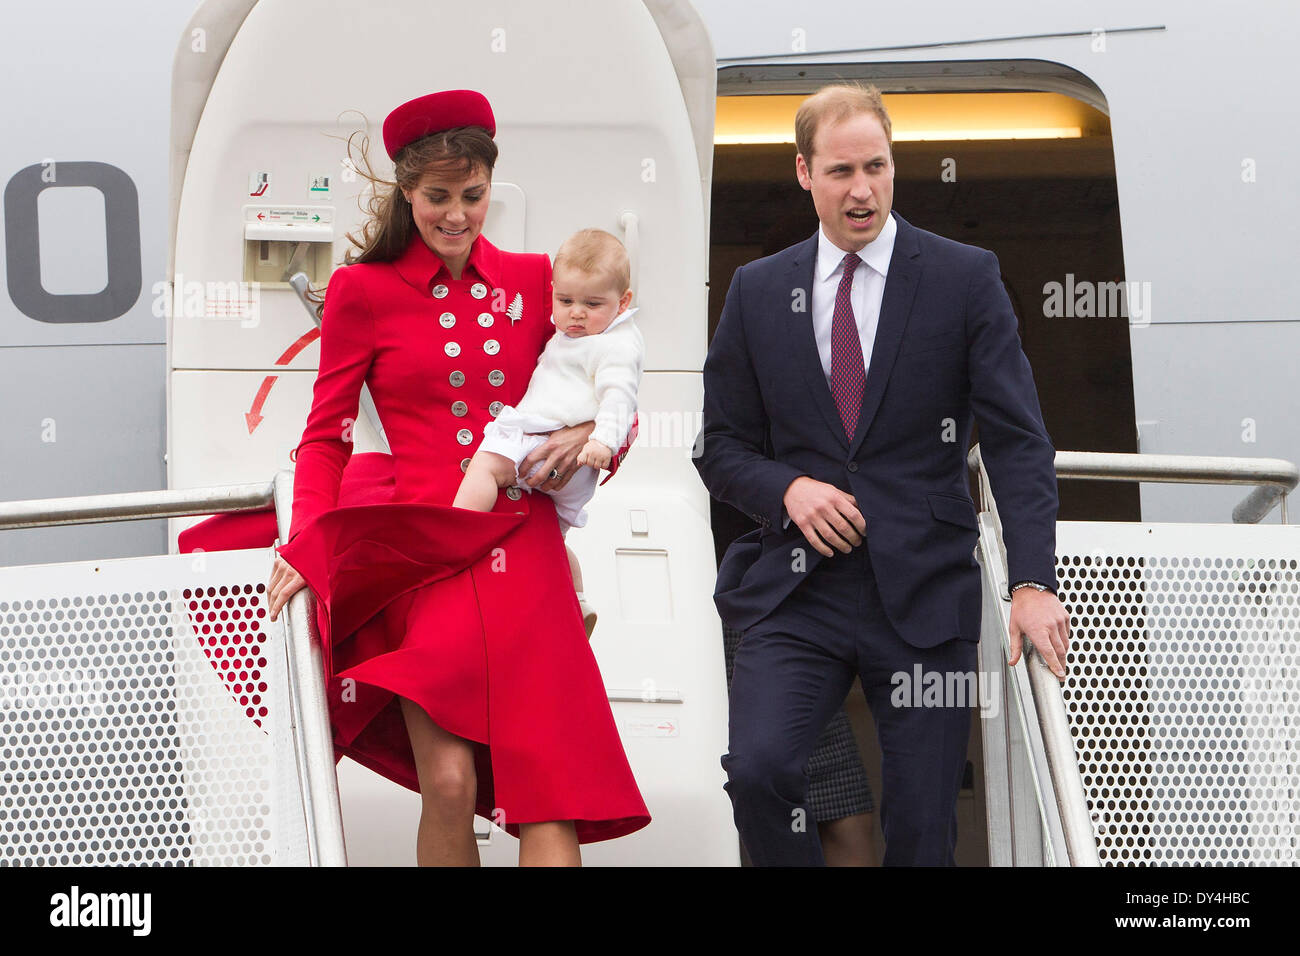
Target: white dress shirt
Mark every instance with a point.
(868, 290)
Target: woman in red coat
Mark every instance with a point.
(457, 662)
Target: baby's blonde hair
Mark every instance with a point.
(596, 251)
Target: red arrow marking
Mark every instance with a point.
(253, 417)
(305, 340)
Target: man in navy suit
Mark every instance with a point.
(839, 392)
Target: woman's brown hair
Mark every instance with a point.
(389, 224)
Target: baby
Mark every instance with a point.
(590, 369)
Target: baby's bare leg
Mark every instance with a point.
(488, 472)
(588, 612)
(574, 568)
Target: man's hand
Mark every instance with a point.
(1041, 616)
(559, 452)
(829, 518)
(595, 454)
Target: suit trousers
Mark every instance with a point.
(793, 670)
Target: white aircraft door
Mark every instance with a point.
(604, 114)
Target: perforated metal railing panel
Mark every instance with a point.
(1183, 689)
(143, 715)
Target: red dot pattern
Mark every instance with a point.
(227, 621)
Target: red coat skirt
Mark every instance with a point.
(471, 615)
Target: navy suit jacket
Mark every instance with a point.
(946, 349)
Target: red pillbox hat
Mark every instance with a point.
(433, 114)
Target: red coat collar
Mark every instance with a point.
(419, 265)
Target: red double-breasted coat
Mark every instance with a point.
(471, 615)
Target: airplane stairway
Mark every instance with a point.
(1175, 738)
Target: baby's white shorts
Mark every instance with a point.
(508, 435)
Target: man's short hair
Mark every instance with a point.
(595, 251)
(833, 104)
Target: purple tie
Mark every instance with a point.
(848, 374)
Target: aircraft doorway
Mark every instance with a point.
(1030, 176)
(1046, 204)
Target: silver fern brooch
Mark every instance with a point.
(516, 308)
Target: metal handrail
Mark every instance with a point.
(135, 505)
(1059, 762)
(1056, 765)
(307, 684)
(310, 725)
(1273, 478)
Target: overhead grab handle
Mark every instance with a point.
(632, 240)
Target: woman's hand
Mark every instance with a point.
(285, 583)
(559, 452)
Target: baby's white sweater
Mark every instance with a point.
(590, 377)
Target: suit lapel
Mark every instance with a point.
(802, 343)
(895, 307)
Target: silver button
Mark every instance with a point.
(485, 319)
(495, 408)
(496, 376)
(446, 320)
(440, 291)
(513, 494)
(464, 436)
(478, 290)
(464, 465)
(457, 379)
(452, 349)
(491, 346)
(459, 409)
